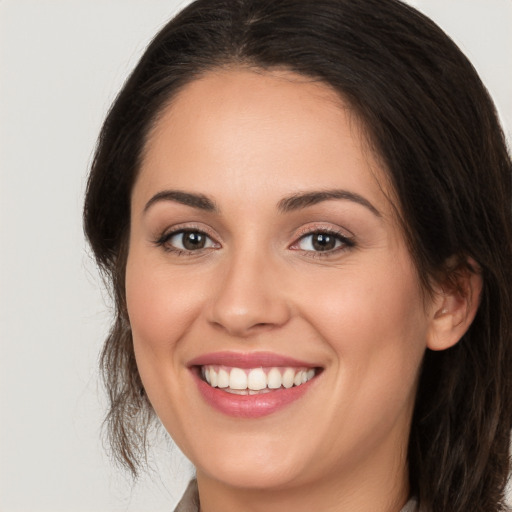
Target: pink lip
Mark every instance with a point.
(249, 406)
(248, 360)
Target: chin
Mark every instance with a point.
(250, 474)
(255, 463)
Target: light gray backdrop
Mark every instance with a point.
(61, 63)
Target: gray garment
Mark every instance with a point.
(190, 501)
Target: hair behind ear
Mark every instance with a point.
(462, 420)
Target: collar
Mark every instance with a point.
(190, 501)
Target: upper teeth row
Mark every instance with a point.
(256, 378)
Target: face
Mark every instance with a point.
(277, 318)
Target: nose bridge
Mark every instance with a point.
(248, 298)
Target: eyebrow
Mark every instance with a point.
(303, 200)
(288, 204)
(199, 201)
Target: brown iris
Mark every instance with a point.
(323, 241)
(192, 240)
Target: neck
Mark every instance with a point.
(377, 488)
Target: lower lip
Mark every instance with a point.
(250, 406)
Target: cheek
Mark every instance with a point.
(160, 305)
(375, 327)
(373, 320)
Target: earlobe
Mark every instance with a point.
(455, 307)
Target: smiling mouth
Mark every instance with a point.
(255, 381)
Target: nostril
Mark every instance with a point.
(247, 301)
(263, 326)
(244, 330)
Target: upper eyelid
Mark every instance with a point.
(320, 227)
(180, 228)
(343, 238)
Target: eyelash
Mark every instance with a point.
(164, 239)
(345, 243)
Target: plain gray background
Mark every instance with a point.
(61, 64)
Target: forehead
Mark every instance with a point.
(259, 131)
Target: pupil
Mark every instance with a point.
(192, 240)
(323, 242)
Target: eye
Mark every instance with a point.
(322, 241)
(187, 241)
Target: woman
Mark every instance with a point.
(304, 209)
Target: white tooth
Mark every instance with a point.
(237, 391)
(257, 379)
(223, 379)
(213, 378)
(288, 376)
(237, 379)
(260, 392)
(304, 376)
(311, 374)
(206, 373)
(297, 380)
(274, 379)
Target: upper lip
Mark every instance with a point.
(249, 360)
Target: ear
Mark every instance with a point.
(455, 305)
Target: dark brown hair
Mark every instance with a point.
(432, 124)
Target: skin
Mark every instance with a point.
(247, 140)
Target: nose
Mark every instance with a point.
(249, 298)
